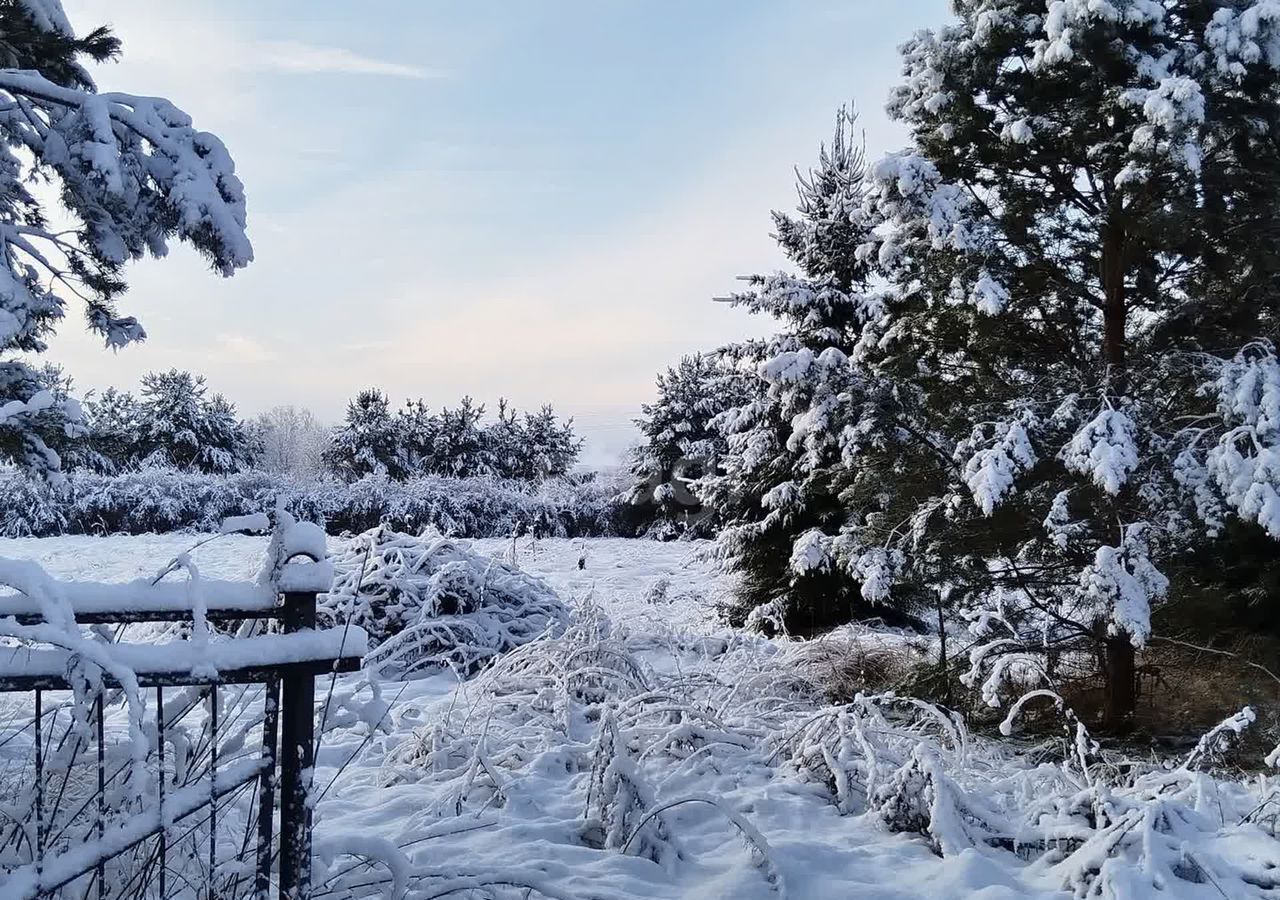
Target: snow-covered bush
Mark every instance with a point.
(429, 603)
(584, 707)
(161, 500)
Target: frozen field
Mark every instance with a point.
(650, 752)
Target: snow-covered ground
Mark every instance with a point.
(703, 753)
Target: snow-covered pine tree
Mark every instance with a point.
(132, 174)
(551, 448)
(113, 420)
(368, 442)
(460, 450)
(417, 433)
(504, 441)
(1083, 233)
(679, 446)
(793, 504)
(181, 424)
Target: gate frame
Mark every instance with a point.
(288, 717)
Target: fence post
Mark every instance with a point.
(267, 787)
(297, 756)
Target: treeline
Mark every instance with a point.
(175, 421)
(456, 442)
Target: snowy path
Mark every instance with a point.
(490, 782)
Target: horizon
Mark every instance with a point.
(510, 199)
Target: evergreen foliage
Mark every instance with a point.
(132, 174)
(786, 490)
(184, 426)
(1026, 369)
(456, 442)
(1081, 237)
(680, 446)
(174, 421)
(370, 441)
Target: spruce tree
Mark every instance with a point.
(460, 450)
(132, 173)
(680, 446)
(504, 440)
(113, 420)
(785, 491)
(417, 432)
(1081, 244)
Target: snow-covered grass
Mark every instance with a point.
(648, 751)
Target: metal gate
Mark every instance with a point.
(61, 837)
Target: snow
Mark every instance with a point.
(1105, 449)
(142, 595)
(255, 522)
(993, 456)
(432, 603)
(221, 654)
(809, 553)
(1126, 584)
(989, 295)
(38, 402)
(1241, 38)
(1245, 461)
(649, 752)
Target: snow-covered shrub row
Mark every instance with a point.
(430, 603)
(162, 500)
(580, 728)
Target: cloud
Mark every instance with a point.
(242, 349)
(295, 56)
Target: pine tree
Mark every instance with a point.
(551, 449)
(418, 432)
(504, 440)
(680, 446)
(454, 443)
(181, 424)
(113, 420)
(132, 172)
(369, 442)
(460, 450)
(1081, 236)
(791, 503)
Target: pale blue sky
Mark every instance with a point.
(529, 199)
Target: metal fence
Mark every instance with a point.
(69, 831)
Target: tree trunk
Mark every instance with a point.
(1122, 695)
(1121, 698)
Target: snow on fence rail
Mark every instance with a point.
(68, 829)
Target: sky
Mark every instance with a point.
(529, 200)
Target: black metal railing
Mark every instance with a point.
(283, 663)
